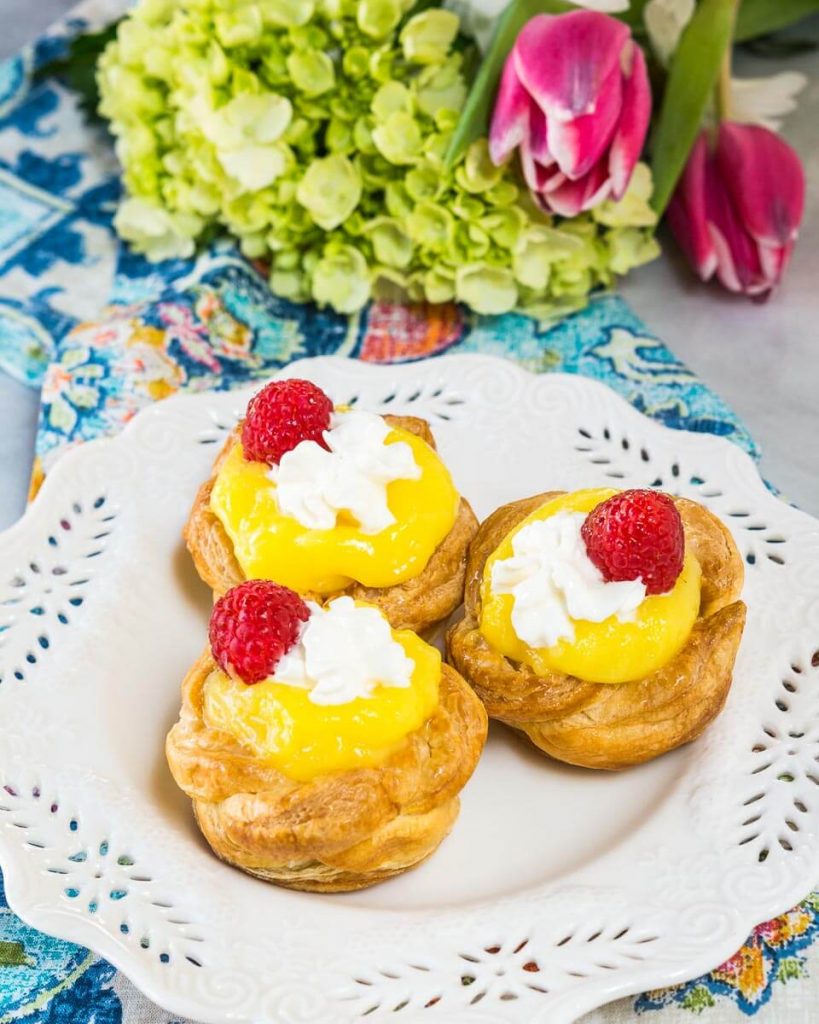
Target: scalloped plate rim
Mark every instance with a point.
(63, 924)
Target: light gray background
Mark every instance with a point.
(763, 359)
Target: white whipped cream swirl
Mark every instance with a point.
(553, 581)
(344, 652)
(313, 484)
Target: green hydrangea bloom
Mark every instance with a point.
(391, 244)
(398, 138)
(341, 279)
(427, 37)
(486, 288)
(477, 173)
(312, 72)
(149, 226)
(315, 132)
(330, 190)
(377, 18)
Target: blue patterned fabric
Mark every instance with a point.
(58, 188)
(218, 326)
(50, 981)
(106, 333)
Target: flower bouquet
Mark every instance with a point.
(361, 149)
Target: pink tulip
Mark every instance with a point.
(737, 208)
(574, 99)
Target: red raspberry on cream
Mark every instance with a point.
(281, 416)
(637, 535)
(253, 626)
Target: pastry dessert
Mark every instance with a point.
(604, 625)
(334, 501)
(322, 750)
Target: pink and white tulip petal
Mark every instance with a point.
(574, 100)
(766, 181)
(510, 117)
(539, 135)
(539, 177)
(687, 217)
(578, 143)
(738, 267)
(564, 60)
(737, 209)
(573, 197)
(633, 125)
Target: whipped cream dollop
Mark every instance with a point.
(345, 650)
(313, 484)
(553, 581)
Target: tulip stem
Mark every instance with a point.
(723, 89)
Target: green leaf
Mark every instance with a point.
(759, 17)
(78, 68)
(693, 74)
(474, 120)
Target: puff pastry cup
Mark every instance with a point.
(416, 604)
(611, 726)
(338, 832)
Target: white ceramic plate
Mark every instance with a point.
(558, 890)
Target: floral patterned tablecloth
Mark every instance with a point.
(105, 333)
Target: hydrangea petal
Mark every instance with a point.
(262, 117)
(377, 18)
(487, 289)
(330, 190)
(391, 245)
(254, 167)
(427, 37)
(341, 280)
(154, 231)
(398, 138)
(313, 72)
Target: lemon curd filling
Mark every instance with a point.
(301, 739)
(271, 545)
(611, 651)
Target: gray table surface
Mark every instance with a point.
(763, 359)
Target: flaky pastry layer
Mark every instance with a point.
(337, 832)
(417, 604)
(610, 725)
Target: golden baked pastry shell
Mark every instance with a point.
(416, 604)
(611, 725)
(338, 832)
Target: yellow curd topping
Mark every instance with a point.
(302, 739)
(615, 650)
(274, 546)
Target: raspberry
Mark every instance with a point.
(252, 626)
(637, 535)
(281, 415)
